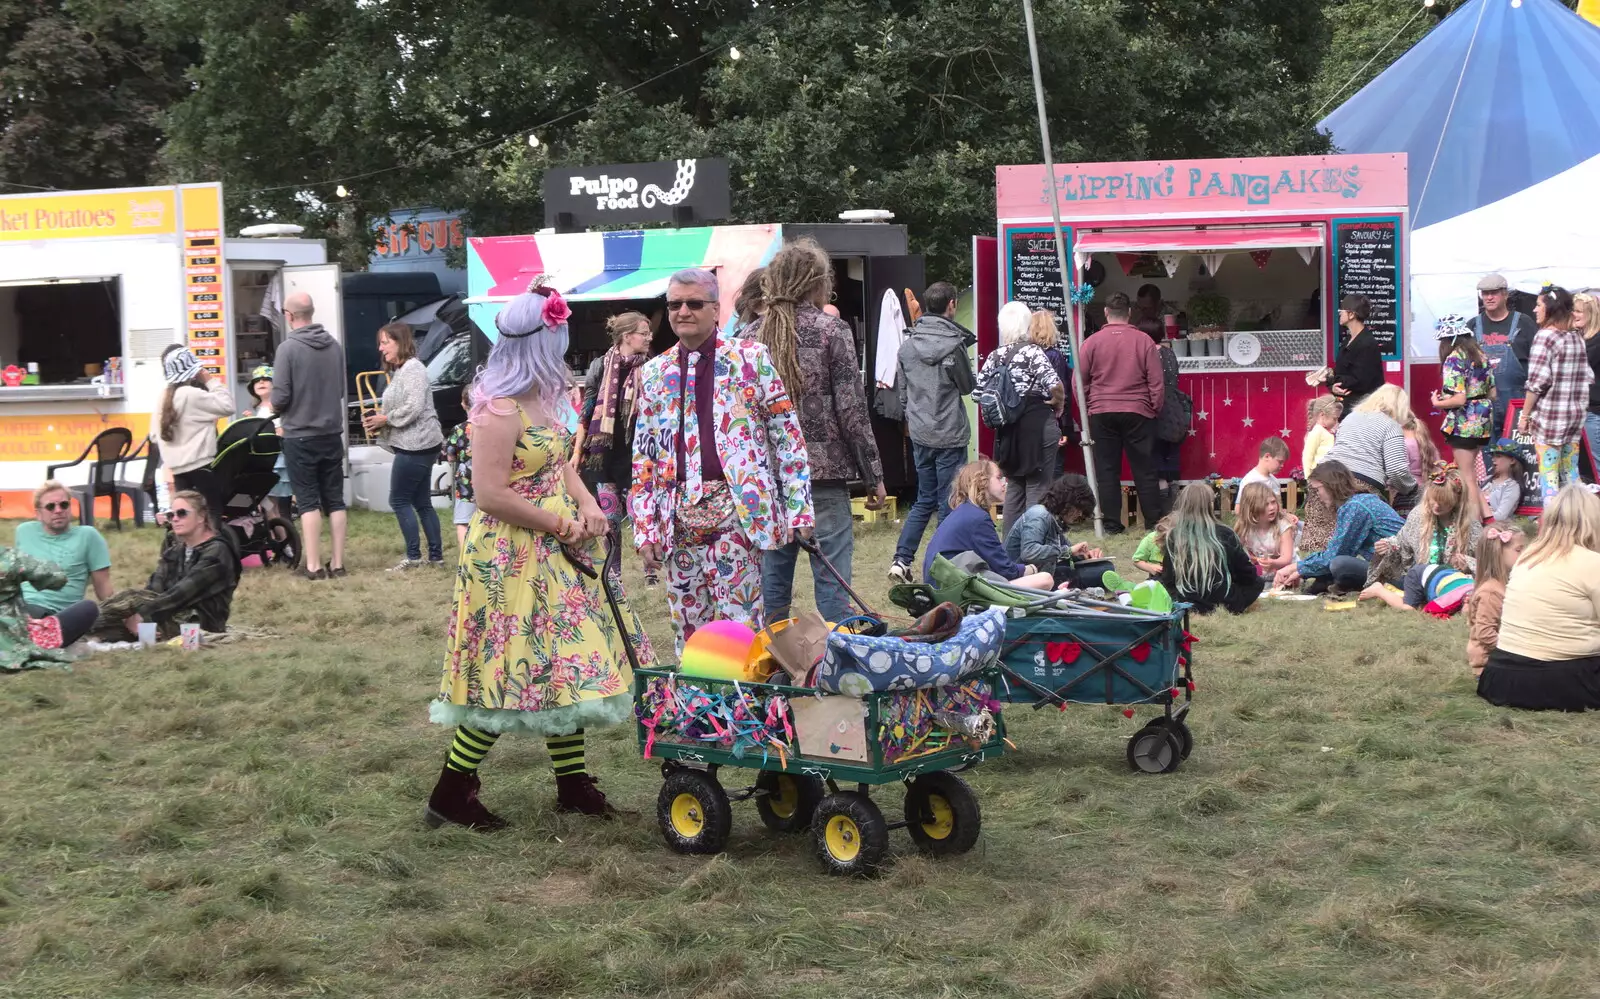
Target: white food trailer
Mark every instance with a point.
(95, 284)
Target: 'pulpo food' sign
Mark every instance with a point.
(635, 192)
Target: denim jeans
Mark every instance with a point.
(836, 539)
(409, 498)
(936, 469)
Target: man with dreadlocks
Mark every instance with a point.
(815, 355)
(720, 471)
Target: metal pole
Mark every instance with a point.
(1066, 278)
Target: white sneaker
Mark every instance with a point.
(900, 572)
(406, 564)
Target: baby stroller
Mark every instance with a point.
(246, 453)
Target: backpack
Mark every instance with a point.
(1172, 423)
(999, 402)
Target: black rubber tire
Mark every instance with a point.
(285, 553)
(942, 814)
(860, 838)
(1178, 728)
(694, 812)
(1154, 749)
(790, 802)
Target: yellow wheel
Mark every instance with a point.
(789, 800)
(693, 812)
(687, 819)
(851, 835)
(942, 814)
(843, 839)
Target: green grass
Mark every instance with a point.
(246, 821)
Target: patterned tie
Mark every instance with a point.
(690, 422)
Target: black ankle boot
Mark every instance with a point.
(455, 799)
(578, 793)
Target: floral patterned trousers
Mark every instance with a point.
(713, 570)
(1558, 466)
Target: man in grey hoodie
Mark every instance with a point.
(934, 380)
(308, 394)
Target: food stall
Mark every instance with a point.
(603, 274)
(95, 284)
(1250, 257)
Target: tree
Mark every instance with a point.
(85, 88)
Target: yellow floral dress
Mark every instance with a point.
(532, 645)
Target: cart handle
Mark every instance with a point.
(810, 547)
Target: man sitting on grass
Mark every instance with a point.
(77, 549)
(194, 580)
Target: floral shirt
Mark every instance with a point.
(1031, 370)
(1475, 418)
(757, 438)
(457, 453)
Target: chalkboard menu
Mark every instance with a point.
(1366, 255)
(1036, 271)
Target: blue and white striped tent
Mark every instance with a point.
(1498, 111)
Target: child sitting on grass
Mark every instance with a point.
(1502, 494)
(1149, 555)
(1498, 549)
(1039, 537)
(1205, 563)
(1265, 530)
(1269, 460)
(969, 527)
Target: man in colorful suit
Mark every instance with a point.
(714, 425)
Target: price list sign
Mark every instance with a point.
(1035, 271)
(203, 285)
(1367, 263)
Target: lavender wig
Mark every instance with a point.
(530, 355)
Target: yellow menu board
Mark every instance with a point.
(204, 278)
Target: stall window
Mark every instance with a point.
(67, 328)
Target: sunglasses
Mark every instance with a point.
(53, 507)
(178, 513)
(692, 304)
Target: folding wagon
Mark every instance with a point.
(1070, 648)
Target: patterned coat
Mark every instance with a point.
(17, 651)
(757, 434)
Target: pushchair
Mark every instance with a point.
(243, 470)
(1068, 647)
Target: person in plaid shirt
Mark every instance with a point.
(1557, 391)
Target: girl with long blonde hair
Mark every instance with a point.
(1266, 533)
(1547, 652)
(978, 488)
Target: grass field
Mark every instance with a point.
(246, 821)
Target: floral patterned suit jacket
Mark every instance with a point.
(757, 436)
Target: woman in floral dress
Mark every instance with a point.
(531, 646)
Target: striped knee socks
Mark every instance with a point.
(566, 753)
(469, 749)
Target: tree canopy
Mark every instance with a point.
(833, 104)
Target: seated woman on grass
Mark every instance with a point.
(1039, 535)
(1206, 564)
(1548, 651)
(193, 582)
(969, 527)
(1266, 532)
(1361, 521)
(1431, 559)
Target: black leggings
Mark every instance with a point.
(75, 620)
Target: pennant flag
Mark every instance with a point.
(1261, 257)
(1212, 261)
(1306, 253)
(1128, 261)
(1170, 261)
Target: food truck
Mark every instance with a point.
(605, 273)
(1250, 258)
(95, 284)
